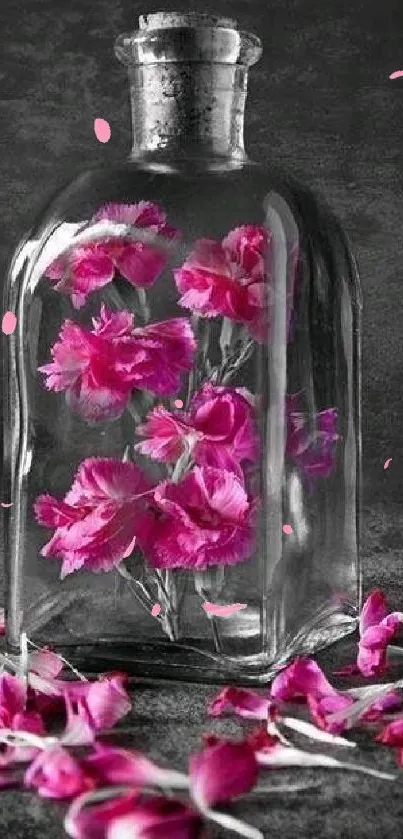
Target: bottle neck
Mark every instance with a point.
(188, 110)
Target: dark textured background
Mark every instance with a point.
(321, 101)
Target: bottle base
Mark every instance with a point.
(169, 661)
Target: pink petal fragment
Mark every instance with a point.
(157, 818)
(373, 611)
(113, 766)
(102, 130)
(302, 677)
(56, 774)
(132, 817)
(46, 663)
(222, 772)
(8, 323)
(245, 703)
(377, 630)
(223, 611)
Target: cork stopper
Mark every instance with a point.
(183, 20)
(173, 37)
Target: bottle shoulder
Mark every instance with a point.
(202, 201)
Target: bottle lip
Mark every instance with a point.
(173, 37)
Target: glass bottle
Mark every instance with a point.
(182, 392)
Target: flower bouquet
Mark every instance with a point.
(183, 500)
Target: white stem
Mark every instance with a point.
(231, 823)
(314, 733)
(26, 738)
(353, 712)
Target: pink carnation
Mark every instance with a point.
(100, 519)
(229, 278)
(207, 519)
(89, 267)
(219, 428)
(98, 369)
(312, 449)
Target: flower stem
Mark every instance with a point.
(138, 589)
(208, 584)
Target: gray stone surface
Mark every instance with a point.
(320, 103)
(167, 722)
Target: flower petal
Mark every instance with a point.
(109, 765)
(373, 611)
(244, 703)
(222, 772)
(56, 774)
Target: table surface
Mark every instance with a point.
(167, 721)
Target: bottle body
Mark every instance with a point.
(184, 427)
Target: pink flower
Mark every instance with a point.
(392, 735)
(313, 450)
(100, 519)
(219, 428)
(99, 369)
(84, 270)
(155, 817)
(303, 679)
(207, 519)
(229, 278)
(245, 703)
(90, 267)
(377, 629)
(56, 774)
(223, 771)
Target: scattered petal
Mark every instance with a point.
(130, 816)
(8, 323)
(222, 772)
(56, 774)
(223, 611)
(102, 130)
(245, 703)
(108, 765)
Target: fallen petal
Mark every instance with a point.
(222, 772)
(245, 703)
(109, 765)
